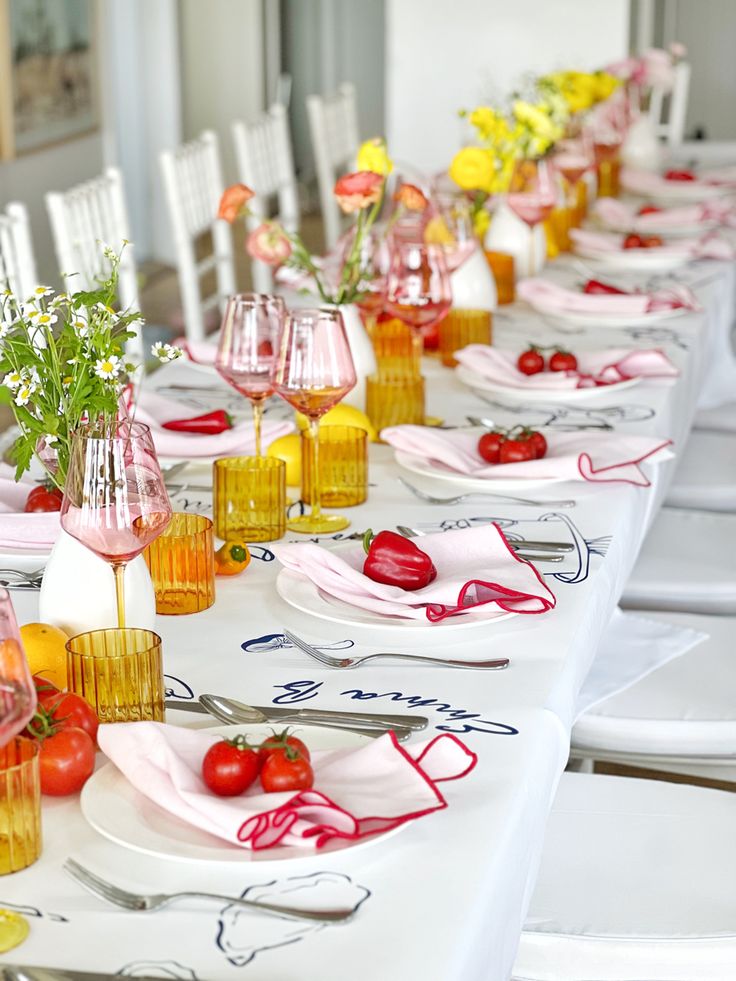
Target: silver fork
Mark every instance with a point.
(353, 662)
(134, 901)
(529, 554)
(458, 498)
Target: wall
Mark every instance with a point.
(453, 54)
(222, 68)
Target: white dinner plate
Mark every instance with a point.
(530, 395)
(577, 318)
(301, 593)
(657, 260)
(694, 229)
(677, 192)
(486, 485)
(112, 806)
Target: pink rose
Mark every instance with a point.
(269, 243)
(232, 200)
(354, 192)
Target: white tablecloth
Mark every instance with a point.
(445, 898)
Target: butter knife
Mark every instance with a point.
(365, 719)
(17, 972)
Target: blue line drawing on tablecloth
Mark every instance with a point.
(277, 642)
(33, 911)
(657, 335)
(158, 969)
(241, 935)
(176, 688)
(556, 416)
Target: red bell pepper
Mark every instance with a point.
(680, 175)
(596, 286)
(396, 561)
(209, 424)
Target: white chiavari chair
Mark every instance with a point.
(705, 477)
(193, 184)
(17, 262)
(672, 130)
(85, 219)
(333, 126)
(266, 164)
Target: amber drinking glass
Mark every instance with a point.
(182, 565)
(463, 327)
(249, 498)
(20, 808)
(343, 466)
(394, 401)
(502, 267)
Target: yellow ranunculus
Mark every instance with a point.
(373, 156)
(537, 121)
(604, 85)
(472, 169)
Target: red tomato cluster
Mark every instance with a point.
(282, 762)
(43, 498)
(516, 446)
(648, 209)
(66, 727)
(531, 361)
(634, 241)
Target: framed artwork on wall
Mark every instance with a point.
(48, 53)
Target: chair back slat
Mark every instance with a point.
(673, 128)
(333, 125)
(17, 262)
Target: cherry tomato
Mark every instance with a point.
(517, 451)
(68, 711)
(284, 770)
(66, 761)
(279, 741)
(539, 444)
(652, 242)
(530, 362)
(563, 361)
(44, 499)
(633, 242)
(43, 685)
(489, 446)
(230, 767)
(679, 175)
(649, 209)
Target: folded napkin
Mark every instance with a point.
(646, 182)
(201, 352)
(595, 368)
(357, 792)
(597, 457)
(477, 573)
(17, 529)
(154, 410)
(707, 247)
(618, 214)
(548, 297)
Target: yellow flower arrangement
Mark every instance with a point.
(473, 169)
(581, 90)
(373, 156)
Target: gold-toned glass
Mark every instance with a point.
(182, 565)
(20, 808)
(502, 267)
(397, 348)
(343, 466)
(463, 327)
(119, 672)
(249, 498)
(394, 402)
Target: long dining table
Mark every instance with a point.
(445, 897)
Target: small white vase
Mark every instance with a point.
(509, 234)
(78, 590)
(362, 351)
(473, 285)
(641, 148)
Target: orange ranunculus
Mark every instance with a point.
(232, 200)
(269, 243)
(411, 197)
(357, 191)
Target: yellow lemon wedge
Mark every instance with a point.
(342, 415)
(45, 651)
(437, 232)
(13, 930)
(289, 449)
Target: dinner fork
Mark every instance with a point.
(17, 579)
(353, 662)
(458, 498)
(135, 902)
(530, 554)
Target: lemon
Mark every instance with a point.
(342, 415)
(45, 651)
(289, 449)
(437, 232)
(13, 930)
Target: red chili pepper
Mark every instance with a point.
(396, 561)
(596, 286)
(208, 425)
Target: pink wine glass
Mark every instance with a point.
(17, 690)
(115, 502)
(418, 287)
(248, 341)
(532, 197)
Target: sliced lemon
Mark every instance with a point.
(14, 929)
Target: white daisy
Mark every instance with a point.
(47, 319)
(42, 291)
(24, 393)
(81, 327)
(166, 352)
(59, 300)
(107, 368)
(13, 380)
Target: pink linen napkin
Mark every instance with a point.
(201, 352)
(707, 247)
(357, 791)
(18, 529)
(477, 573)
(646, 182)
(620, 215)
(154, 410)
(548, 297)
(595, 368)
(599, 458)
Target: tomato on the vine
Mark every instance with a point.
(67, 710)
(230, 766)
(563, 361)
(517, 450)
(286, 770)
(43, 498)
(280, 741)
(539, 443)
(66, 761)
(489, 446)
(648, 209)
(530, 362)
(633, 241)
(652, 242)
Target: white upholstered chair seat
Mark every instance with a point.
(706, 473)
(686, 708)
(687, 563)
(637, 883)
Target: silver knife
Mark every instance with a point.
(17, 972)
(365, 719)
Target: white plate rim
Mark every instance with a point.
(489, 485)
(475, 381)
(578, 318)
(645, 263)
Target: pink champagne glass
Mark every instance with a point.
(115, 502)
(313, 371)
(418, 287)
(248, 341)
(532, 197)
(456, 217)
(17, 690)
